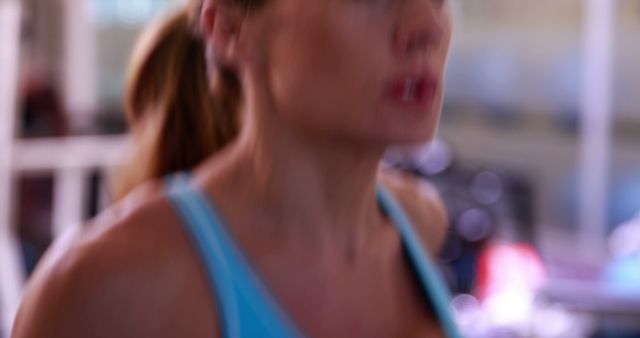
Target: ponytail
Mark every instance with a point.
(175, 120)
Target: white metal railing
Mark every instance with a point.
(80, 63)
(11, 276)
(71, 159)
(596, 116)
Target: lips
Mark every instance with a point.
(416, 90)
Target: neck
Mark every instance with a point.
(299, 185)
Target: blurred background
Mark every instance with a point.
(537, 156)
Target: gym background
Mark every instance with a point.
(537, 156)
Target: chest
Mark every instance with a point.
(377, 296)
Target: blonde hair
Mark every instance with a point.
(174, 118)
(177, 120)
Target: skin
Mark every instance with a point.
(297, 187)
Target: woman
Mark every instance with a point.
(284, 231)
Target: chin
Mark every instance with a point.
(405, 127)
(412, 134)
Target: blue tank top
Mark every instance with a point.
(247, 309)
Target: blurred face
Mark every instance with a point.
(368, 70)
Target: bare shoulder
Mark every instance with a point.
(423, 204)
(109, 279)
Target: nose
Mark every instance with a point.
(420, 27)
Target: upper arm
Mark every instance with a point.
(52, 304)
(128, 275)
(423, 204)
(77, 288)
(87, 290)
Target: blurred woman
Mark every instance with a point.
(285, 231)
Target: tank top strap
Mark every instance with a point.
(429, 277)
(246, 307)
